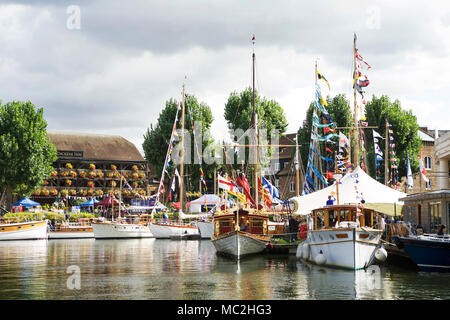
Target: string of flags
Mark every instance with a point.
(378, 154)
(199, 156)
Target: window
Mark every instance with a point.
(277, 167)
(435, 215)
(428, 185)
(292, 187)
(427, 163)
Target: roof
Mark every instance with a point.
(96, 146)
(369, 190)
(286, 152)
(437, 194)
(425, 136)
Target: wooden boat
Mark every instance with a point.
(23, 230)
(342, 236)
(239, 232)
(81, 229)
(122, 228)
(429, 251)
(166, 230)
(206, 229)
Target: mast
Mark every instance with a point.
(182, 154)
(255, 125)
(386, 156)
(355, 116)
(120, 195)
(297, 168)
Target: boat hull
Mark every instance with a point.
(206, 229)
(118, 231)
(343, 248)
(429, 255)
(24, 231)
(70, 235)
(238, 244)
(165, 231)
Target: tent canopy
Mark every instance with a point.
(107, 202)
(354, 187)
(89, 203)
(209, 200)
(25, 202)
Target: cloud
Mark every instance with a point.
(115, 73)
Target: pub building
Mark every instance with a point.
(90, 165)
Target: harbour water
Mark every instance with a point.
(190, 270)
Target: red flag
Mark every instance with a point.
(330, 175)
(328, 149)
(242, 182)
(253, 39)
(265, 194)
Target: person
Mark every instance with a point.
(291, 228)
(441, 230)
(330, 201)
(380, 221)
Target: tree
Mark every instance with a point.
(26, 152)
(156, 138)
(405, 132)
(238, 113)
(340, 111)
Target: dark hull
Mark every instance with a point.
(428, 254)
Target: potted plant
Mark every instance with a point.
(45, 192)
(126, 193)
(90, 192)
(90, 184)
(64, 173)
(54, 192)
(83, 174)
(73, 174)
(135, 168)
(113, 167)
(113, 184)
(142, 175)
(135, 175)
(64, 192)
(91, 174)
(109, 174)
(100, 174)
(54, 173)
(69, 166)
(135, 184)
(99, 192)
(68, 182)
(142, 192)
(92, 166)
(82, 192)
(72, 192)
(45, 183)
(116, 174)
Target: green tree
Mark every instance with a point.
(405, 132)
(156, 138)
(26, 152)
(238, 114)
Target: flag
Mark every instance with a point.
(376, 134)
(410, 181)
(273, 191)
(378, 150)
(178, 176)
(264, 193)
(243, 183)
(227, 184)
(423, 172)
(343, 141)
(321, 77)
(364, 123)
(328, 149)
(330, 175)
(253, 38)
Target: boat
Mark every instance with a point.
(240, 232)
(32, 230)
(206, 229)
(430, 252)
(78, 230)
(122, 228)
(342, 236)
(166, 230)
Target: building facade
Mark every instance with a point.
(442, 156)
(90, 165)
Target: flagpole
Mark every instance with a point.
(355, 116)
(255, 125)
(182, 153)
(386, 156)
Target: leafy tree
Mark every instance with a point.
(156, 138)
(405, 132)
(26, 152)
(238, 113)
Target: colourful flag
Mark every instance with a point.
(321, 77)
(422, 169)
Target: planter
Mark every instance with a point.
(68, 182)
(54, 192)
(113, 167)
(90, 184)
(72, 192)
(135, 168)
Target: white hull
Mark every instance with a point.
(29, 231)
(239, 244)
(165, 231)
(70, 235)
(206, 229)
(343, 248)
(119, 230)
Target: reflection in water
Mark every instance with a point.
(167, 269)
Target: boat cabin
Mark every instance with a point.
(240, 220)
(342, 216)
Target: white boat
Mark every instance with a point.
(240, 232)
(79, 230)
(32, 230)
(206, 229)
(166, 230)
(119, 229)
(351, 243)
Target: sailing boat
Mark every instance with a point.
(243, 231)
(122, 227)
(343, 235)
(166, 229)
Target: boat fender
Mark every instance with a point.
(320, 258)
(299, 253)
(270, 245)
(381, 254)
(305, 251)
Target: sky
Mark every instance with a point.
(108, 67)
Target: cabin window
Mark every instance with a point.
(344, 215)
(332, 218)
(256, 227)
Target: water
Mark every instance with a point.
(168, 269)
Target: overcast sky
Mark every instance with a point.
(111, 68)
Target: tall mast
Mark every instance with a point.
(386, 156)
(297, 168)
(355, 116)
(255, 126)
(182, 153)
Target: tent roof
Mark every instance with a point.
(26, 202)
(106, 202)
(206, 198)
(89, 203)
(368, 189)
